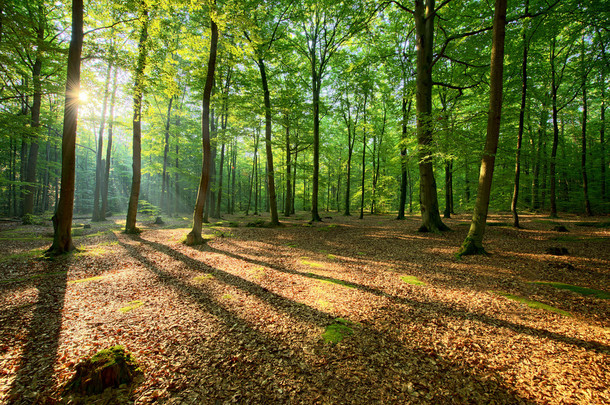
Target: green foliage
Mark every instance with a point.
(577, 289)
(337, 331)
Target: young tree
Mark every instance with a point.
(194, 237)
(132, 208)
(474, 241)
(62, 220)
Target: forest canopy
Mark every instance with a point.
(332, 91)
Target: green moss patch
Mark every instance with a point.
(203, 277)
(335, 281)
(85, 280)
(337, 331)
(28, 254)
(306, 262)
(331, 257)
(412, 280)
(109, 368)
(131, 306)
(577, 289)
(533, 304)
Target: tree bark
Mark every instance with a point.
(474, 241)
(406, 111)
(164, 177)
(317, 84)
(287, 203)
(62, 220)
(99, 171)
(424, 26)
(132, 208)
(583, 161)
(515, 199)
(553, 163)
(194, 237)
(106, 182)
(270, 173)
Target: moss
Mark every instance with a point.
(412, 280)
(315, 265)
(131, 306)
(34, 277)
(470, 247)
(93, 251)
(292, 245)
(533, 304)
(577, 289)
(203, 277)
(338, 282)
(28, 254)
(85, 280)
(331, 257)
(336, 332)
(227, 297)
(108, 368)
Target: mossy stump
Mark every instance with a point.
(109, 368)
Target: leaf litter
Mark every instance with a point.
(243, 318)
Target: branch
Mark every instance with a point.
(451, 86)
(460, 62)
(408, 10)
(110, 26)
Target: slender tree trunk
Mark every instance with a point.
(177, 175)
(317, 84)
(194, 237)
(164, 177)
(602, 127)
(448, 189)
(220, 169)
(363, 161)
(288, 203)
(474, 241)
(132, 208)
(270, 172)
(553, 163)
(424, 26)
(106, 181)
(406, 111)
(348, 190)
(99, 171)
(62, 220)
(515, 199)
(583, 162)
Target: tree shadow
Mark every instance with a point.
(343, 374)
(35, 381)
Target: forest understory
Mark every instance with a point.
(342, 311)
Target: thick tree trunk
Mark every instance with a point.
(270, 173)
(164, 177)
(424, 25)
(515, 199)
(132, 208)
(194, 237)
(474, 241)
(62, 220)
(106, 182)
(99, 171)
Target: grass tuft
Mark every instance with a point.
(84, 280)
(131, 306)
(335, 332)
(412, 280)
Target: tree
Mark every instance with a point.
(62, 220)
(132, 208)
(474, 241)
(194, 237)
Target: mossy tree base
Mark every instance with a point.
(108, 368)
(471, 247)
(133, 231)
(193, 239)
(434, 228)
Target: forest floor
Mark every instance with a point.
(256, 315)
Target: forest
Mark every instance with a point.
(272, 201)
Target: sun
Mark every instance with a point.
(83, 96)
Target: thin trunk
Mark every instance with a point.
(406, 111)
(424, 14)
(132, 208)
(270, 173)
(194, 237)
(99, 171)
(553, 163)
(176, 175)
(363, 161)
(106, 183)
(288, 203)
(62, 220)
(515, 199)
(317, 84)
(474, 241)
(220, 169)
(164, 177)
(448, 189)
(583, 162)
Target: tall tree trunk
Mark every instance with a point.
(539, 147)
(270, 173)
(177, 174)
(424, 14)
(553, 163)
(515, 199)
(164, 177)
(317, 84)
(194, 237)
(406, 111)
(474, 241)
(448, 189)
(99, 171)
(363, 160)
(583, 161)
(288, 203)
(106, 182)
(132, 208)
(62, 220)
